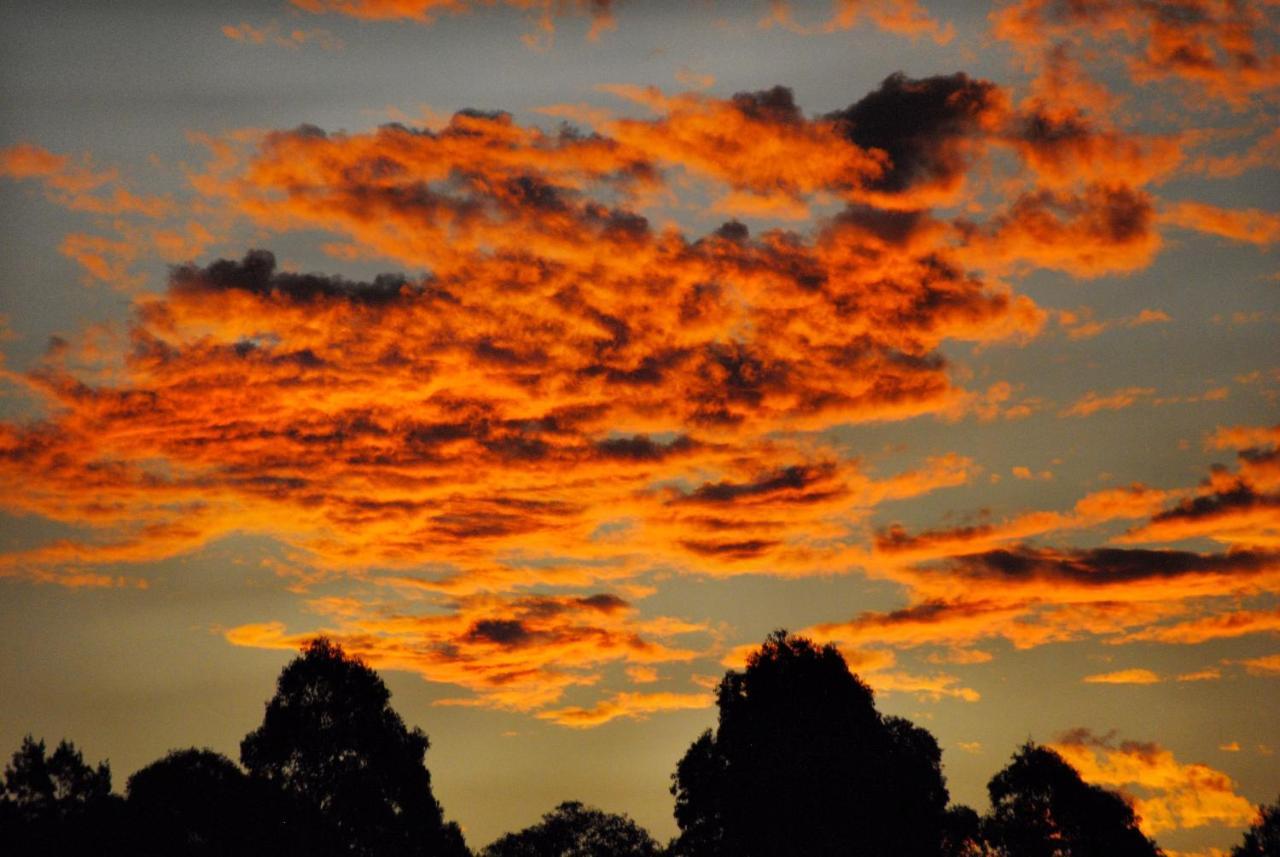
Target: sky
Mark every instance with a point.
(548, 355)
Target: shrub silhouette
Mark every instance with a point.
(574, 830)
(802, 764)
(331, 742)
(1041, 808)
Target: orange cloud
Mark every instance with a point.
(1244, 437)
(1167, 794)
(977, 582)
(1130, 676)
(1091, 402)
(576, 396)
(930, 687)
(1267, 665)
(903, 17)
(1236, 623)
(632, 705)
(517, 653)
(1263, 153)
(272, 32)
(1249, 225)
(76, 185)
(1101, 229)
(426, 12)
(1225, 50)
(1080, 323)
(1208, 674)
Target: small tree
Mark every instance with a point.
(331, 741)
(574, 830)
(1263, 838)
(803, 764)
(1041, 808)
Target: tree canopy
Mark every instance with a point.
(331, 742)
(201, 804)
(1263, 838)
(802, 763)
(575, 830)
(55, 803)
(1040, 807)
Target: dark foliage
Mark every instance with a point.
(1041, 808)
(55, 804)
(1263, 838)
(200, 803)
(803, 764)
(574, 830)
(331, 742)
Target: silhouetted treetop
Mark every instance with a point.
(331, 741)
(60, 782)
(802, 764)
(1040, 807)
(1263, 838)
(54, 804)
(574, 830)
(199, 803)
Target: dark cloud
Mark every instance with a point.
(642, 448)
(256, 274)
(920, 125)
(503, 632)
(769, 105)
(1107, 566)
(795, 482)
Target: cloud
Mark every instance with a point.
(1266, 666)
(75, 184)
(927, 128)
(1244, 437)
(427, 11)
(903, 17)
(971, 583)
(635, 706)
(565, 391)
(928, 687)
(273, 33)
(1261, 154)
(1167, 794)
(1250, 225)
(1240, 508)
(1036, 596)
(1081, 324)
(1092, 402)
(1225, 51)
(1130, 676)
(1103, 228)
(516, 653)
(1216, 626)
(1207, 674)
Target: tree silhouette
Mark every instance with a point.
(1041, 808)
(199, 803)
(574, 830)
(331, 742)
(802, 764)
(1263, 838)
(56, 804)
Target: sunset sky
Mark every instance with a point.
(549, 354)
